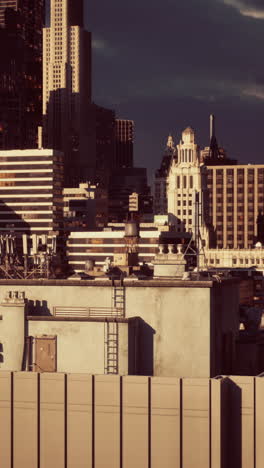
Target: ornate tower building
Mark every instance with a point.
(186, 186)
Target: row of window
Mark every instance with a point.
(241, 261)
(184, 182)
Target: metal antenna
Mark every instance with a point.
(196, 238)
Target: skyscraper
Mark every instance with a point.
(21, 23)
(68, 114)
(124, 140)
(4, 4)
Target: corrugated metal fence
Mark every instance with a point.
(82, 421)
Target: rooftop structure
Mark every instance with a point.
(171, 312)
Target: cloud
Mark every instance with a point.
(167, 63)
(102, 47)
(254, 91)
(252, 9)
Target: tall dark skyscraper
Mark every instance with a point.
(68, 114)
(4, 4)
(124, 142)
(21, 23)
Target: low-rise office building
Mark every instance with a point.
(31, 190)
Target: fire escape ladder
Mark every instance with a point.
(119, 296)
(111, 347)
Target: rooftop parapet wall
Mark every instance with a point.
(170, 422)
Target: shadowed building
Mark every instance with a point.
(124, 140)
(105, 144)
(160, 195)
(123, 183)
(4, 4)
(20, 72)
(68, 115)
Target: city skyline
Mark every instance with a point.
(170, 65)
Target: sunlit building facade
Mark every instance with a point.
(67, 89)
(31, 191)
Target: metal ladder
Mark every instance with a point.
(119, 296)
(111, 347)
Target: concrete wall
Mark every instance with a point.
(176, 332)
(12, 335)
(81, 345)
(224, 329)
(179, 319)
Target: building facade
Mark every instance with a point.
(231, 196)
(186, 187)
(4, 4)
(233, 258)
(67, 110)
(124, 143)
(98, 245)
(235, 199)
(85, 207)
(123, 182)
(160, 189)
(30, 191)
(21, 24)
(105, 144)
(184, 327)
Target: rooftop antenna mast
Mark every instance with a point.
(10, 266)
(38, 254)
(212, 126)
(196, 238)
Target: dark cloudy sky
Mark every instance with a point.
(167, 64)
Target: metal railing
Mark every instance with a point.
(88, 312)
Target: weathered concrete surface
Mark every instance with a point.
(183, 332)
(181, 326)
(12, 336)
(81, 345)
